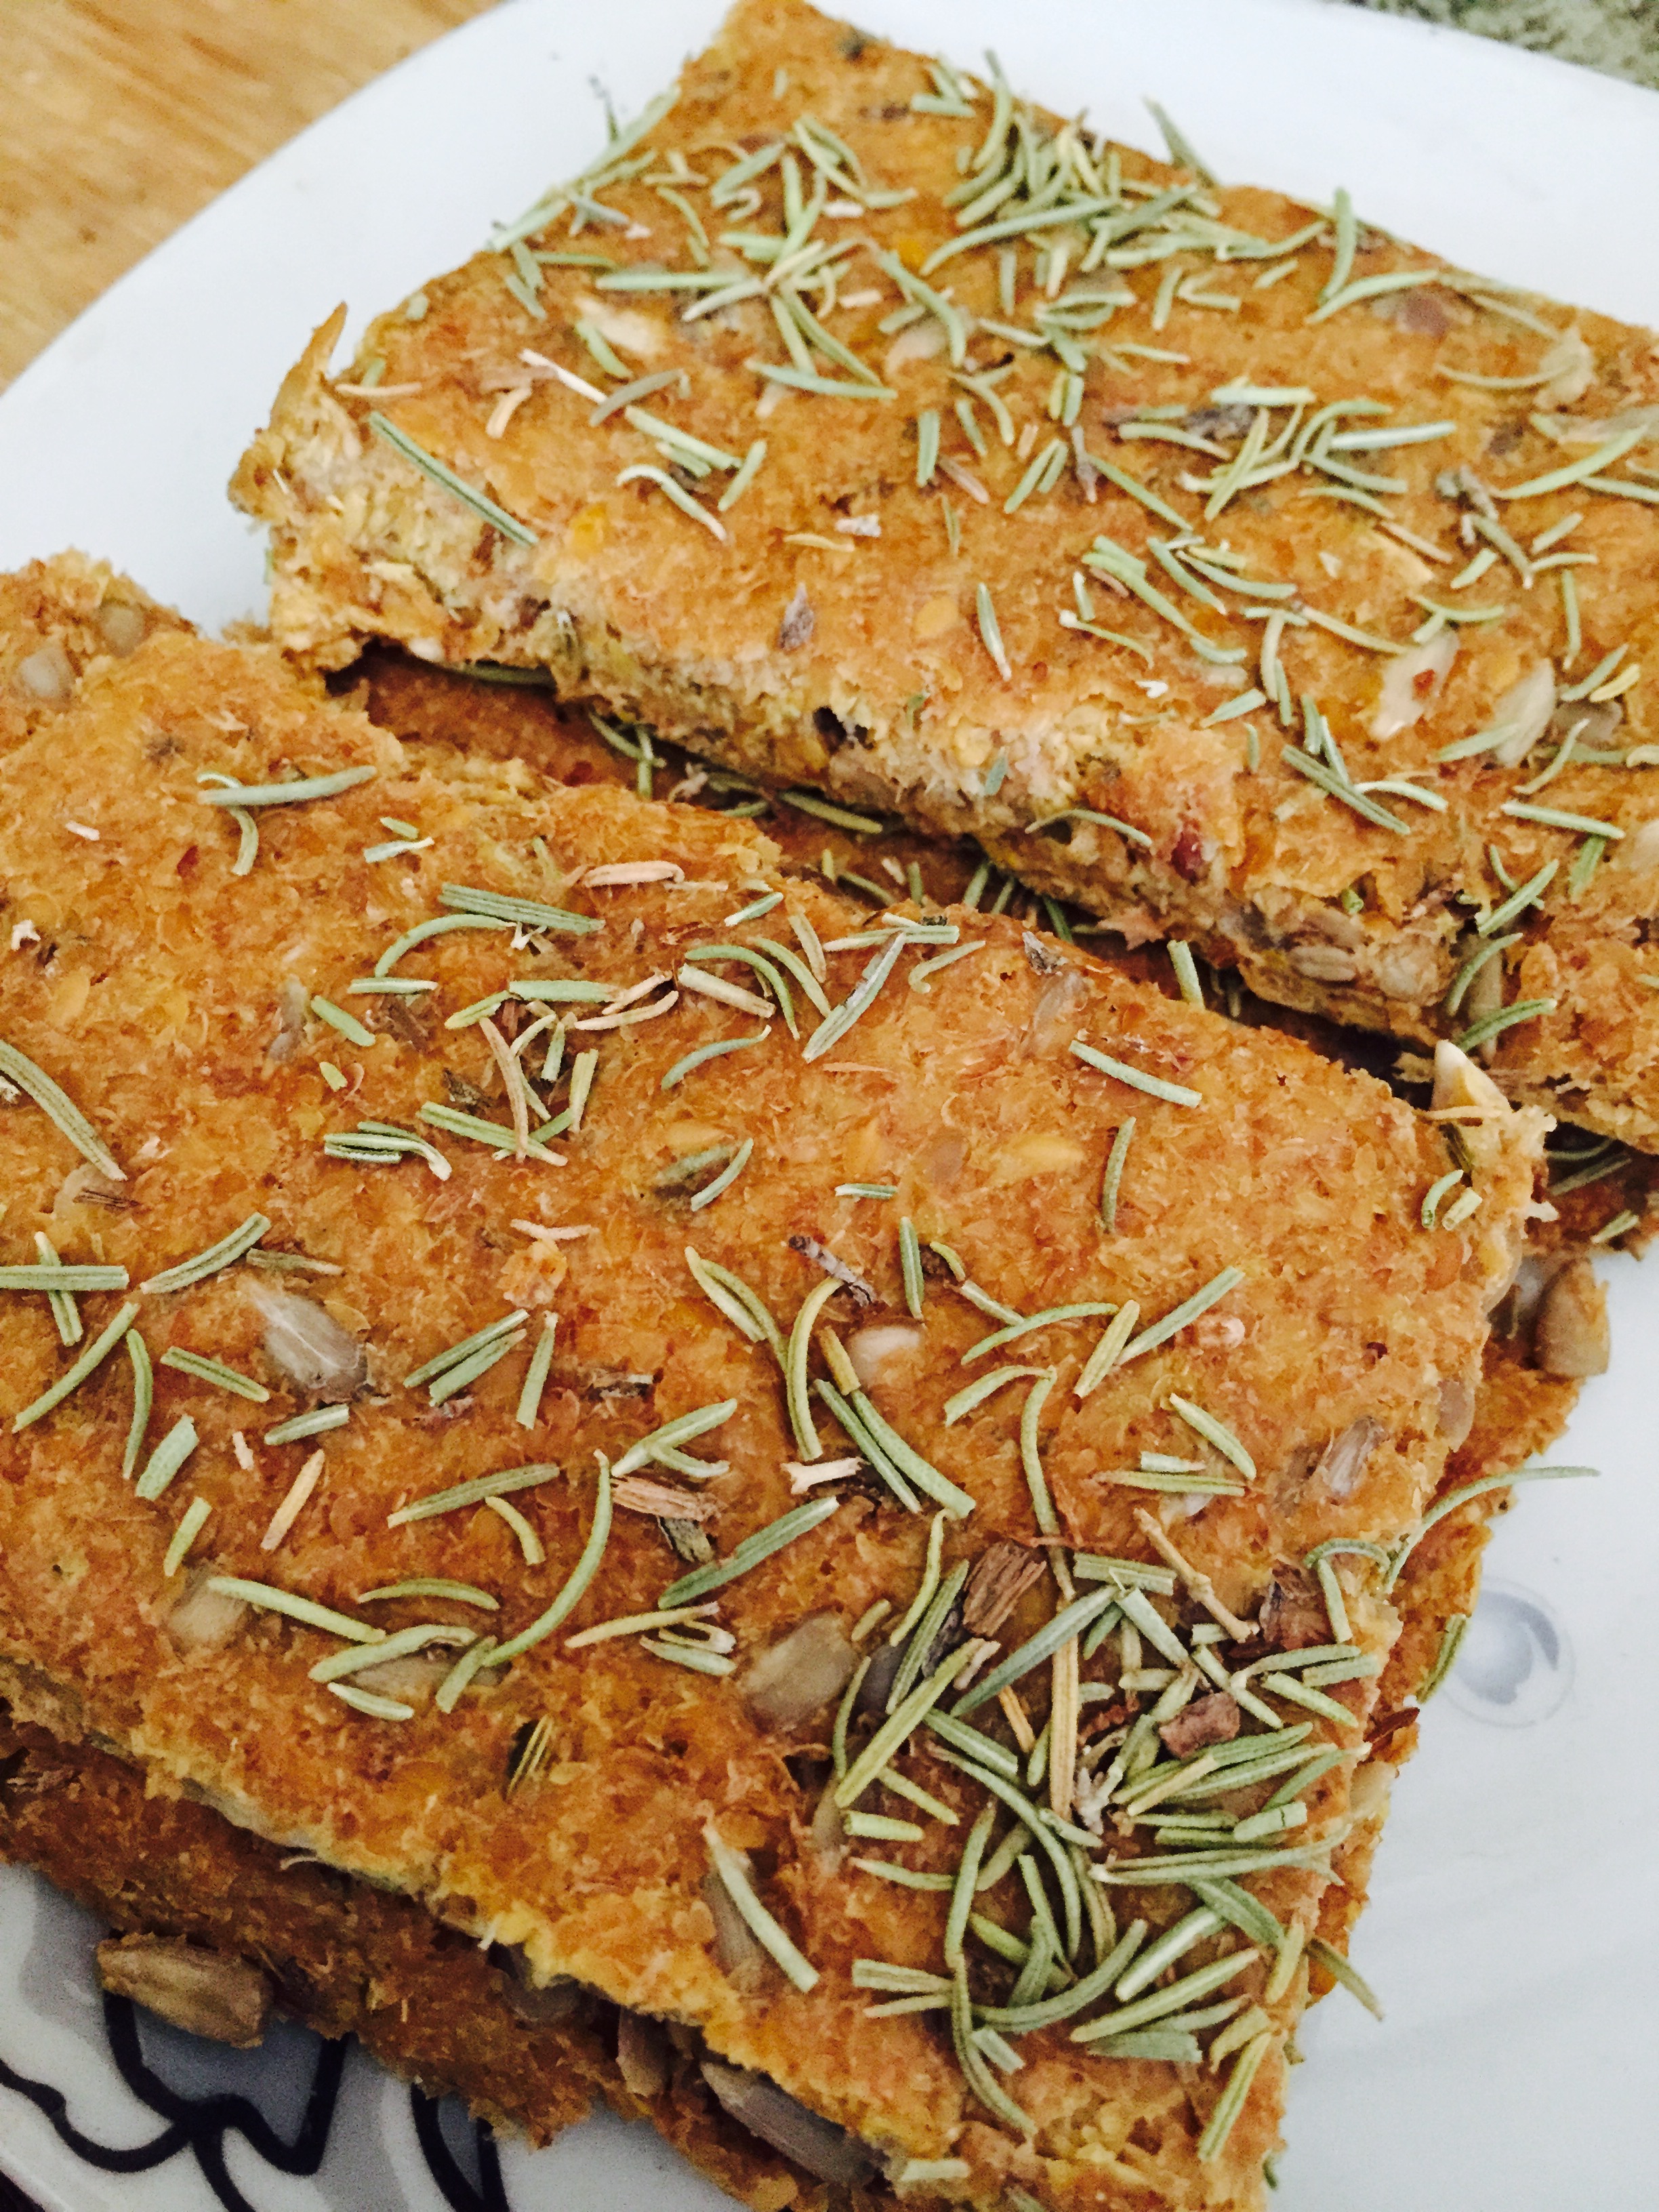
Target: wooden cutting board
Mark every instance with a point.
(120, 120)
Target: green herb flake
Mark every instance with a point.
(1022, 1325)
(461, 1374)
(476, 1491)
(438, 926)
(580, 1576)
(830, 1032)
(314, 1423)
(168, 1456)
(1175, 1094)
(402, 1643)
(744, 1308)
(1591, 465)
(237, 797)
(1552, 818)
(1324, 1954)
(662, 1446)
(1070, 1621)
(65, 1311)
(1112, 1179)
(1454, 1498)
(371, 1703)
(215, 1371)
(528, 1412)
(348, 1025)
(60, 1109)
(1372, 288)
(1619, 1225)
(224, 1254)
(1450, 1641)
(264, 1597)
(486, 906)
(190, 1527)
(432, 1586)
(481, 504)
(704, 1052)
(1214, 1432)
(1186, 1312)
(473, 1660)
(395, 847)
(1109, 1352)
(750, 1552)
(729, 1866)
(72, 1377)
(1503, 1018)
(990, 631)
(1528, 894)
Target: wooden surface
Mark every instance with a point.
(119, 119)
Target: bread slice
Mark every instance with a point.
(346, 1959)
(1252, 578)
(1601, 1189)
(224, 1121)
(1551, 1330)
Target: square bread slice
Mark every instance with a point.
(1550, 1332)
(1051, 1335)
(1219, 563)
(346, 1959)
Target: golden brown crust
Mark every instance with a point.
(60, 620)
(347, 1958)
(892, 698)
(158, 1009)
(1594, 1183)
(1519, 1408)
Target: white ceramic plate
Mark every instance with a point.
(1515, 1930)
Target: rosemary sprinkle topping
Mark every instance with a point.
(1177, 1094)
(60, 1109)
(168, 1456)
(481, 504)
(730, 1867)
(215, 1370)
(475, 1493)
(224, 1254)
(72, 1377)
(237, 797)
(750, 1552)
(264, 1597)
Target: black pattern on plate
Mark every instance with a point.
(199, 2125)
(459, 2191)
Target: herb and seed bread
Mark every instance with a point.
(1217, 562)
(487, 1216)
(162, 1871)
